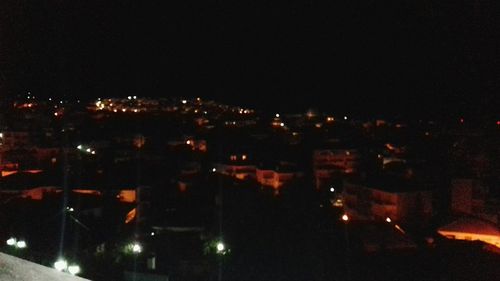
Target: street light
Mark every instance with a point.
(21, 244)
(345, 217)
(220, 247)
(388, 219)
(61, 265)
(11, 241)
(74, 269)
(137, 248)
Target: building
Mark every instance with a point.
(15, 139)
(277, 177)
(236, 165)
(388, 198)
(469, 198)
(472, 229)
(331, 163)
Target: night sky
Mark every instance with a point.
(368, 57)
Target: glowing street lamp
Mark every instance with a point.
(136, 248)
(74, 269)
(133, 248)
(21, 244)
(11, 241)
(388, 219)
(61, 265)
(220, 247)
(345, 217)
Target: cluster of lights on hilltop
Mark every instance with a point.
(129, 104)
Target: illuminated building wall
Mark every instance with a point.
(362, 202)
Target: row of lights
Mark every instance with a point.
(63, 266)
(60, 265)
(86, 149)
(13, 242)
(346, 218)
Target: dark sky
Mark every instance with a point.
(417, 56)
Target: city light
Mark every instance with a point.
(11, 241)
(136, 248)
(21, 244)
(388, 219)
(400, 229)
(61, 265)
(220, 247)
(74, 269)
(332, 189)
(345, 217)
